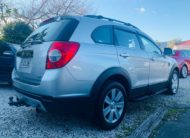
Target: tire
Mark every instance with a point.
(184, 72)
(111, 105)
(173, 83)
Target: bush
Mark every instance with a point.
(16, 32)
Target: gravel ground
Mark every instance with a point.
(25, 122)
(181, 99)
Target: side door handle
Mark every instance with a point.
(124, 55)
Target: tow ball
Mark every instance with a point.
(16, 102)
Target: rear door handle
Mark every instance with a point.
(124, 55)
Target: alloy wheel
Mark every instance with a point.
(184, 71)
(113, 106)
(175, 83)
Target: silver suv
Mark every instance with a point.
(91, 62)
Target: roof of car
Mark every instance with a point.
(100, 18)
(93, 17)
(118, 23)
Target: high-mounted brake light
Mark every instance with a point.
(60, 54)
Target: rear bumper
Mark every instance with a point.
(55, 83)
(57, 90)
(48, 103)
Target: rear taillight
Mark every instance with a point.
(60, 54)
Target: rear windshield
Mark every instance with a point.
(54, 31)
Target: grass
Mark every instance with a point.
(173, 114)
(127, 130)
(141, 111)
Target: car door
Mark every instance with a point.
(159, 66)
(133, 59)
(186, 53)
(6, 62)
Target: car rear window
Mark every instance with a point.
(54, 31)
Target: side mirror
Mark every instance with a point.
(8, 53)
(168, 52)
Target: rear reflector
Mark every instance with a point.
(60, 54)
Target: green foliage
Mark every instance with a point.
(173, 114)
(174, 42)
(1, 37)
(16, 32)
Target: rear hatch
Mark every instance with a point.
(31, 58)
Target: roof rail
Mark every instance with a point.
(112, 20)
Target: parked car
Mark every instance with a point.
(92, 63)
(7, 61)
(183, 59)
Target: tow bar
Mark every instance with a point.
(17, 102)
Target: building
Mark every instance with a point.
(183, 45)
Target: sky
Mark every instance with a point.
(163, 20)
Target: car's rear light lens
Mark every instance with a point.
(60, 54)
(54, 55)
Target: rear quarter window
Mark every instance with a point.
(103, 35)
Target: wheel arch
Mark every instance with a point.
(113, 74)
(184, 64)
(174, 67)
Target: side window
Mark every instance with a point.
(127, 39)
(187, 54)
(150, 46)
(183, 54)
(103, 35)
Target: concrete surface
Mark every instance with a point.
(176, 129)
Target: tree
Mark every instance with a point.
(16, 32)
(6, 12)
(34, 11)
(174, 42)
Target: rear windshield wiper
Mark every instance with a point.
(33, 42)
